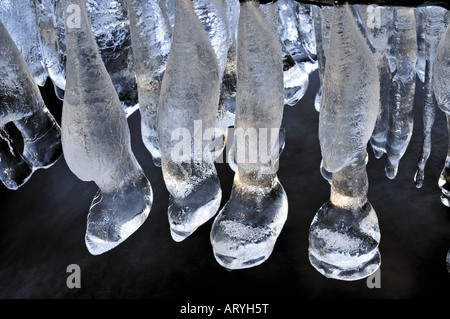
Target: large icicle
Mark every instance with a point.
(21, 103)
(246, 229)
(188, 110)
(151, 37)
(96, 140)
(344, 234)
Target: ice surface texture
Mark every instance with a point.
(441, 85)
(22, 105)
(19, 18)
(110, 25)
(188, 104)
(96, 142)
(246, 229)
(344, 234)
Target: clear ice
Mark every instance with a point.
(19, 18)
(402, 55)
(441, 85)
(217, 18)
(244, 232)
(96, 141)
(293, 22)
(378, 25)
(344, 234)
(433, 27)
(188, 109)
(322, 25)
(151, 38)
(21, 105)
(110, 25)
(52, 43)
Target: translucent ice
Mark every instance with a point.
(378, 22)
(441, 85)
(434, 27)
(214, 16)
(96, 141)
(322, 25)
(110, 25)
(21, 103)
(246, 229)
(402, 52)
(52, 43)
(19, 18)
(297, 50)
(188, 110)
(344, 234)
(151, 37)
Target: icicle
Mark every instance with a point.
(151, 38)
(322, 26)
(344, 234)
(245, 231)
(21, 103)
(96, 140)
(402, 52)
(434, 27)
(441, 85)
(188, 110)
(378, 22)
(19, 18)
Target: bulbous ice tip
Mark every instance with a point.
(419, 178)
(391, 171)
(244, 233)
(343, 244)
(377, 152)
(188, 213)
(114, 217)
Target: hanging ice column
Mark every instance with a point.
(402, 56)
(21, 103)
(151, 37)
(344, 234)
(246, 229)
(187, 115)
(96, 140)
(441, 87)
(434, 27)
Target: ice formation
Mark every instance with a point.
(245, 231)
(151, 37)
(96, 140)
(19, 18)
(22, 105)
(344, 234)
(188, 110)
(433, 28)
(441, 85)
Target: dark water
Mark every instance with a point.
(42, 228)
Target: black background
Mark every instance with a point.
(42, 228)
